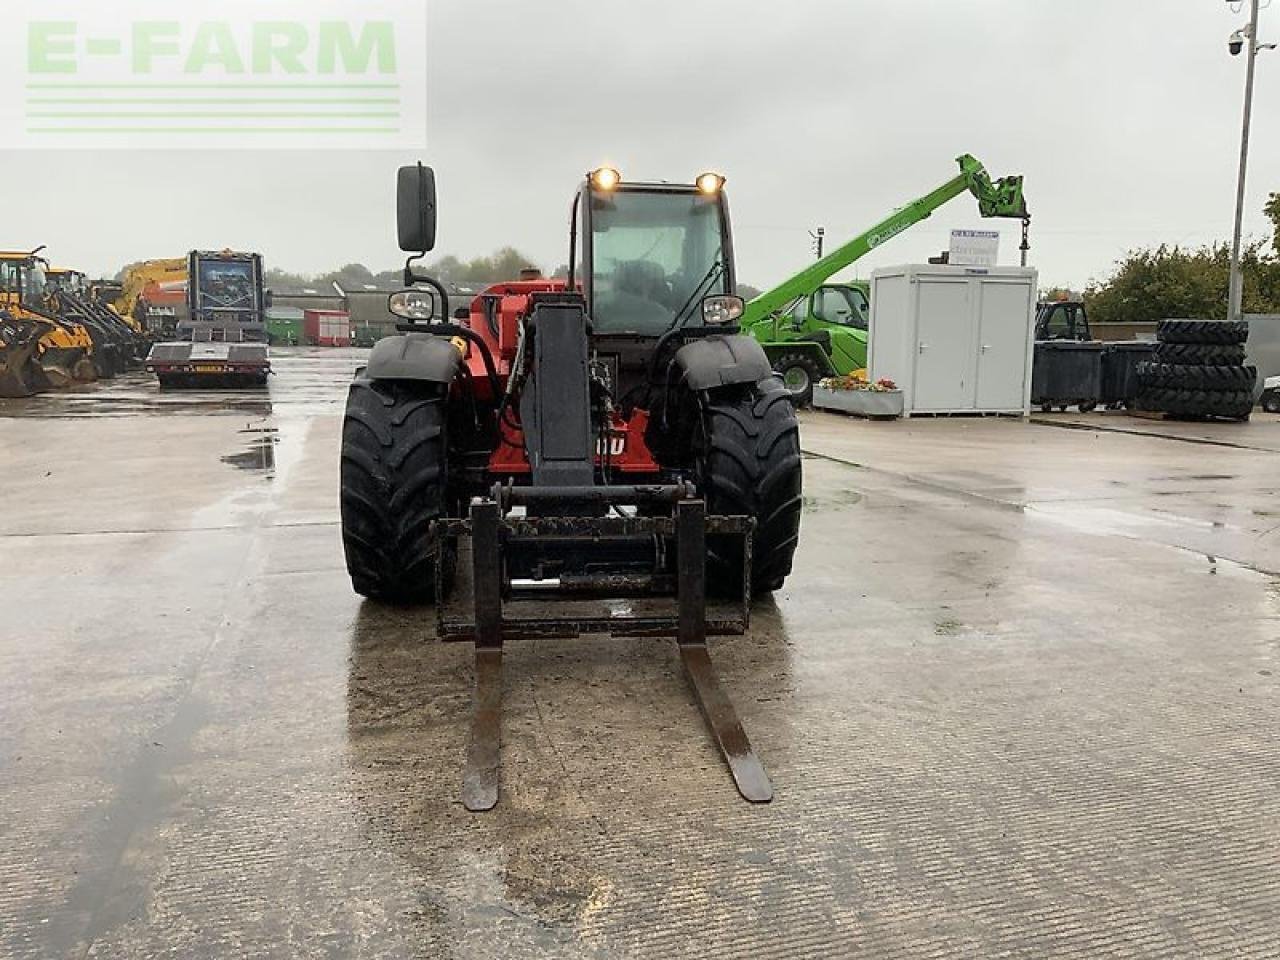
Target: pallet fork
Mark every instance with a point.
(491, 608)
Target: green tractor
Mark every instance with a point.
(811, 328)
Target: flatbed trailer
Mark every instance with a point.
(195, 364)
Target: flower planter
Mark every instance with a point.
(873, 404)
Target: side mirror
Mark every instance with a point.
(268, 299)
(416, 208)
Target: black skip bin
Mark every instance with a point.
(1067, 373)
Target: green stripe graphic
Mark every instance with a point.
(180, 101)
(213, 130)
(201, 115)
(213, 86)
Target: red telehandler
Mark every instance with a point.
(605, 454)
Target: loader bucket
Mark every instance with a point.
(66, 365)
(20, 374)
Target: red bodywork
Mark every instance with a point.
(628, 453)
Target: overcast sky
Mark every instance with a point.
(1123, 115)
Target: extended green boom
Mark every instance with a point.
(999, 198)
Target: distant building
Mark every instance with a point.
(367, 306)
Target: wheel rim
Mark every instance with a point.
(796, 379)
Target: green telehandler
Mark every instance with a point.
(811, 329)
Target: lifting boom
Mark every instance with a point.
(999, 198)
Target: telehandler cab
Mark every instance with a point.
(603, 455)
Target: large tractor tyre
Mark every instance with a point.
(393, 480)
(1186, 376)
(1215, 354)
(1222, 404)
(749, 461)
(1203, 331)
(799, 373)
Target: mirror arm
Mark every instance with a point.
(409, 278)
(413, 279)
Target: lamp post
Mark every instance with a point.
(1246, 38)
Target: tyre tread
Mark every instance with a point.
(753, 468)
(393, 477)
(1226, 332)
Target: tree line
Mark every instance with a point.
(504, 264)
(1170, 281)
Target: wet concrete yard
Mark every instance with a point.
(1019, 699)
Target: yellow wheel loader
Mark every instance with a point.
(117, 347)
(65, 348)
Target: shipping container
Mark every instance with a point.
(326, 328)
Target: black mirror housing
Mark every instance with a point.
(416, 208)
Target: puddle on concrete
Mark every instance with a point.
(261, 454)
(1087, 518)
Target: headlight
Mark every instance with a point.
(721, 310)
(709, 182)
(412, 305)
(605, 178)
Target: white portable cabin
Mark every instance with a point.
(954, 339)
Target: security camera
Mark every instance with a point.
(1235, 44)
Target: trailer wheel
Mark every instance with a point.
(749, 462)
(394, 471)
(799, 373)
(1271, 401)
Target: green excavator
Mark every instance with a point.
(811, 329)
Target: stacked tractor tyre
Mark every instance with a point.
(1197, 371)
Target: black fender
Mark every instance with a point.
(413, 356)
(722, 361)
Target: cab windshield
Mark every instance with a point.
(225, 285)
(35, 284)
(654, 257)
(64, 282)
